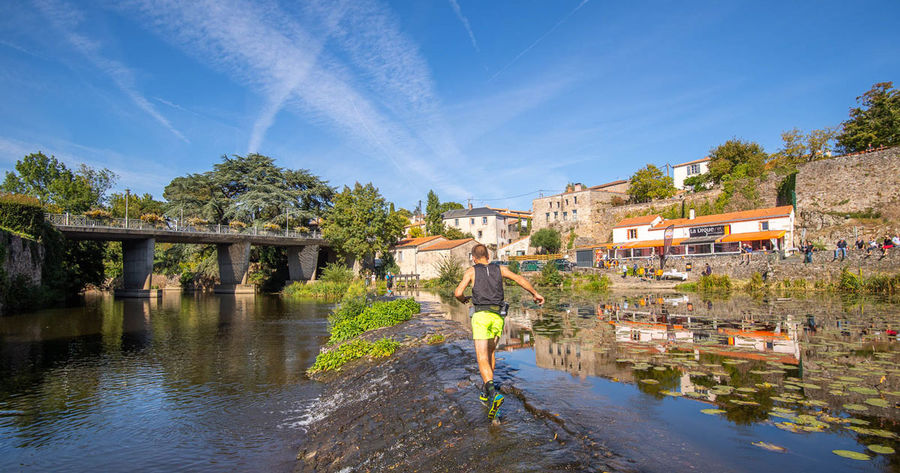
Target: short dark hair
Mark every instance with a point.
(480, 251)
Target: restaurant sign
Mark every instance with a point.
(708, 231)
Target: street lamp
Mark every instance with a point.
(127, 193)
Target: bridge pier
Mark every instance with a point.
(234, 261)
(302, 262)
(137, 265)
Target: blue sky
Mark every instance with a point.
(474, 99)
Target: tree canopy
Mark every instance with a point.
(249, 188)
(434, 211)
(547, 239)
(137, 205)
(726, 158)
(53, 183)
(361, 223)
(649, 183)
(875, 122)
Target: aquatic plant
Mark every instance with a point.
(379, 314)
(344, 353)
(337, 273)
(714, 282)
(318, 290)
(436, 338)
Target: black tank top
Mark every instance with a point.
(488, 286)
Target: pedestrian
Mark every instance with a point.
(808, 252)
(860, 244)
(896, 241)
(843, 246)
(486, 279)
(624, 271)
(873, 245)
(707, 270)
(389, 277)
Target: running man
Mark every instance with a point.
(486, 279)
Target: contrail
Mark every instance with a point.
(535, 43)
(465, 22)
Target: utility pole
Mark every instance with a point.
(127, 193)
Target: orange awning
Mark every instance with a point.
(650, 243)
(753, 236)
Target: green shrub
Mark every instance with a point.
(587, 282)
(550, 275)
(756, 283)
(318, 290)
(514, 266)
(450, 270)
(380, 314)
(336, 273)
(714, 282)
(877, 283)
(342, 354)
(21, 213)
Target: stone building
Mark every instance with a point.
(577, 208)
(405, 252)
(489, 226)
(429, 256)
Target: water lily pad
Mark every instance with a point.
(851, 454)
(877, 402)
(849, 378)
(712, 411)
(881, 449)
(670, 393)
(856, 407)
(659, 368)
(746, 390)
(864, 390)
(653, 381)
(770, 447)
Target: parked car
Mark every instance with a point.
(564, 264)
(673, 274)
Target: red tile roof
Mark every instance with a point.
(692, 162)
(633, 221)
(416, 241)
(609, 184)
(782, 211)
(447, 245)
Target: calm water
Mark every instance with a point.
(214, 383)
(809, 375)
(205, 383)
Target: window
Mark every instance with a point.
(472, 221)
(456, 222)
(548, 216)
(693, 169)
(574, 215)
(555, 215)
(549, 205)
(400, 256)
(575, 200)
(565, 215)
(479, 233)
(484, 220)
(632, 233)
(567, 201)
(764, 225)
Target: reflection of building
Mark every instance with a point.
(646, 331)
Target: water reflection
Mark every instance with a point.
(825, 366)
(157, 384)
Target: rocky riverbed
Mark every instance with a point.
(419, 411)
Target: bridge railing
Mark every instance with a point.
(81, 221)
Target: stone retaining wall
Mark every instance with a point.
(20, 258)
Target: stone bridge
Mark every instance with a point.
(232, 246)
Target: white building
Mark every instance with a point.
(762, 229)
(489, 226)
(406, 251)
(682, 171)
(517, 248)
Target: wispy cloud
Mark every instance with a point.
(67, 19)
(465, 23)
(378, 92)
(540, 38)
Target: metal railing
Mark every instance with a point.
(82, 221)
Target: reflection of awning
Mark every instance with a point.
(650, 243)
(753, 236)
(700, 240)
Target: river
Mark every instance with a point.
(215, 383)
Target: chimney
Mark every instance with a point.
(691, 214)
(579, 187)
(470, 205)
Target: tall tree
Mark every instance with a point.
(876, 122)
(726, 158)
(250, 188)
(53, 183)
(650, 183)
(361, 224)
(137, 205)
(434, 224)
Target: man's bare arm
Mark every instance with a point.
(467, 279)
(521, 281)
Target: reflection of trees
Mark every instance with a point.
(668, 380)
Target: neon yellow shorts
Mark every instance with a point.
(486, 325)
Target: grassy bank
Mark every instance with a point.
(354, 316)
